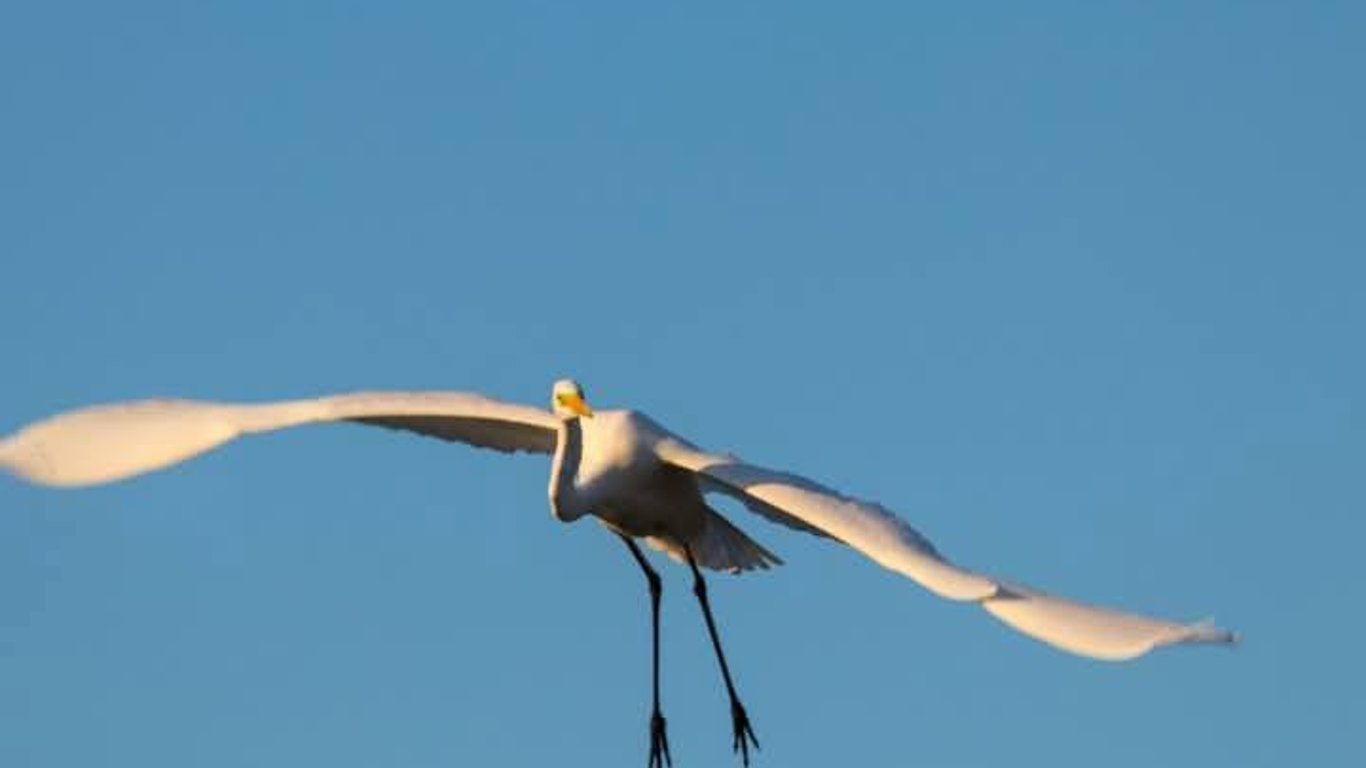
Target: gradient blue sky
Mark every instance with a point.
(1078, 290)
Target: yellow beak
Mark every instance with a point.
(577, 405)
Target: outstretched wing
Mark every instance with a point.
(1088, 630)
(112, 442)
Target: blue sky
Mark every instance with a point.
(1076, 289)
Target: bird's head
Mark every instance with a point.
(567, 401)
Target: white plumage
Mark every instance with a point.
(621, 466)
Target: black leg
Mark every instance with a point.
(744, 733)
(659, 739)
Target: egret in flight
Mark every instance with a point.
(638, 478)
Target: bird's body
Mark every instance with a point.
(622, 481)
(653, 500)
(641, 480)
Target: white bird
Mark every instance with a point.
(638, 478)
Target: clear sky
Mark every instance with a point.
(1076, 289)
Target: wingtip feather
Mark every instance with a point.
(22, 463)
(7, 461)
(1206, 632)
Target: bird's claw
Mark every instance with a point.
(659, 743)
(744, 732)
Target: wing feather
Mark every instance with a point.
(876, 532)
(113, 442)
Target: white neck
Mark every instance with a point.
(566, 503)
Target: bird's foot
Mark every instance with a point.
(659, 743)
(744, 733)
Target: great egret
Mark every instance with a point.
(639, 479)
